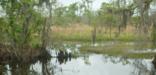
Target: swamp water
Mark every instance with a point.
(85, 64)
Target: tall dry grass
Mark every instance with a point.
(81, 32)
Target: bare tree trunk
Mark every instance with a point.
(94, 35)
(154, 33)
(46, 29)
(44, 35)
(110, 31)
(144, 6)
(25, 33)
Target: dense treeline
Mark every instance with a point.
(27, 23)
(117, 14)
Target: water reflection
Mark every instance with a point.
(91, 64)
(144, 68)
(99, 65)
(20, 69)
(63, 56)
(3, 69)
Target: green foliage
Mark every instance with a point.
(135, 19)
(58, 17)
(66, 15)
(22, 23)
(106, 15)
(25, 19)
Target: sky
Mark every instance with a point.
(96, 3)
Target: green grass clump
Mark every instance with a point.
(118, 50)
(87, 37)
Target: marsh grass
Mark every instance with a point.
(120, 49)
(83, 33)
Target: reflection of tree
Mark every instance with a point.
(24, 69)
(20, 69)
(2, 70)
(116, 60)
(141, 68)
(47, 68)
(86, 60)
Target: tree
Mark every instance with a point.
(124, 9)
(25, 21)
(143, 8)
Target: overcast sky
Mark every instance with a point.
(96, 3)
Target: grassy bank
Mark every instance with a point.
(117, 52)
(83, 33)
(123, 49)
(120, 49)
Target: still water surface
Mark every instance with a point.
(92, 64)
(99, 65)
(86, 64)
